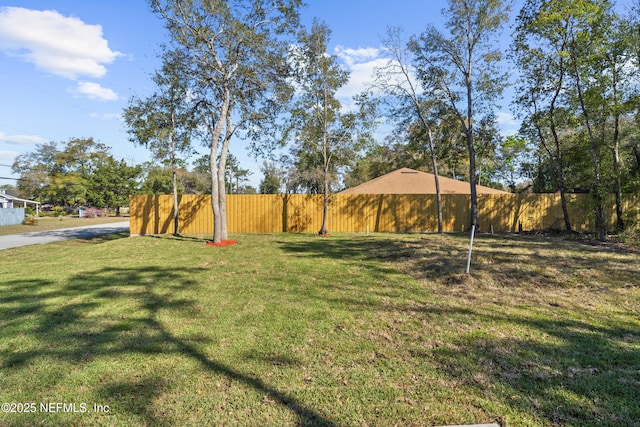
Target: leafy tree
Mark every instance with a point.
(60, 176)
(158, 180)
(235, 56)
(382, 158)
(33, 169)
(235, 175)
(111, 184)
(578, 61)
(487, 141)
(68, 181)
(585, 23)
(80, 172)
(8, 188)
(464, 67)
(163, 122)
(512, 157)
(324, 135)
(542, 85)
(620, 99)
(198, 181)
(413, 105)
(272, 180)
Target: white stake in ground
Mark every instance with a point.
(473, 232)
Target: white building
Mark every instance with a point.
(8, 201)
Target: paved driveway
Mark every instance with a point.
(39, 237)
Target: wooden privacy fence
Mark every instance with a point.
(268, 213)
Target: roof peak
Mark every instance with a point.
(411, 181)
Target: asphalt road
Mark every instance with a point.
(40, 237)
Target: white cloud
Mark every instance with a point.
(61, 45)
(361, 63)
(352, 56)
(95, 91)
(21, 139)
(507, 123)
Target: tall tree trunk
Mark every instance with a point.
(222, 198)
(618, 191)
(216, 132)
(324, 229)
(597, 190)
(558, 147)
(174, 177)
(472, 179)
(559, 165)
(215, 196)
(470, 146)
(432, 153)
(616, 155)
(222, 206)
(563, 200)
(557, 159)
(434, 165)
(432, 150)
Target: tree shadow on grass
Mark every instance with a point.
(375, 256)
(571, 373)
(521, 260)
(81, 239)
(356, 249)
(116, 312)
(561, 365)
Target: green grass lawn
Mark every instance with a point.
(51, 223)
(293, 329)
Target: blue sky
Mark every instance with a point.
(69, 67)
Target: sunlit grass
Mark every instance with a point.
(290, 329)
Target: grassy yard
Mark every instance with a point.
(51, 223)
(293, 329)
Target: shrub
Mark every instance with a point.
(30, 220)
(631, 236)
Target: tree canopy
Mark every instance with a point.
(234, 59)
(77, 172)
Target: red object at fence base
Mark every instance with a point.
(222, 243)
